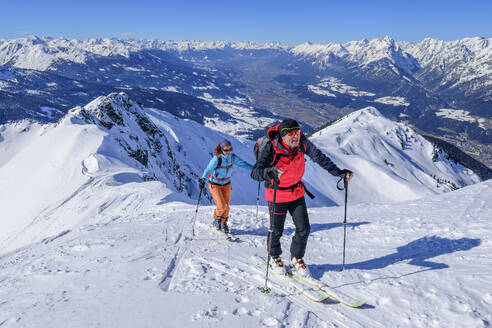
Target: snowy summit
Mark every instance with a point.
(97, 220)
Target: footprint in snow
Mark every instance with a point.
(270, 322)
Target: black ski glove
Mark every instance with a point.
(272, 173)
(345, 172)
(201, 183)
(344, 175)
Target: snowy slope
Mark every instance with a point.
(422, 263)
(51, 174)
(96, 210)
(390, 160)
(55, 170)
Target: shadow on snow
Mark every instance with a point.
(418, 253)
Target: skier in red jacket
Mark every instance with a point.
(282, 160)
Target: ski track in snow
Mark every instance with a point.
(423, 263)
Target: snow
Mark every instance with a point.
(333, 84)
(171, 89)
(35, 92)
(361, 52)
(67, 147)
(49, 110)
(134, 69)
(395, 101)
(462, 60)
(90, 238)
(320, 91)
(4, 85)
(80, 93)
(460, 115)
(245, 117)
(392, 162)
(423, 263)
(40, 53)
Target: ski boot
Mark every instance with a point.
(217, 225)
(278, 266)
(301, 267)
(224, 227)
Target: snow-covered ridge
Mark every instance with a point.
(459, 61)
(390, 160)
(40, 53)
(366, 51)
(52, 169)
(362, 52)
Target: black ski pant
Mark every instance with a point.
(278, 213)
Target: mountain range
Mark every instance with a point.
(441, 88)
(102, 142)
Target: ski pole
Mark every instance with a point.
(258, 200)
(196, 214)
(265, 289)
(345, 185)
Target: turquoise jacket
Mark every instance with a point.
(222, 175)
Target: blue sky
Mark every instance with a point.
(289, 22)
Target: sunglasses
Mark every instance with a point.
(227, 150)
(294, 133)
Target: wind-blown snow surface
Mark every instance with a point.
(422, 263)
(96, 208)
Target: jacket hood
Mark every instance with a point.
(273, 133)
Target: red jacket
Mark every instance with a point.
(292, 162)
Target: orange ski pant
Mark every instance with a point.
(222, 198)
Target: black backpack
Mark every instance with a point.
(263, 141)
(260, 144)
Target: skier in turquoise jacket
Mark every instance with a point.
(218, 173)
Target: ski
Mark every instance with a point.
(328, 291)
(225, 236)
(309, 292)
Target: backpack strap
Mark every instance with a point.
(219, 165)
(219, 162)
(291, 188)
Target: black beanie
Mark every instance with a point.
(287, 126)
